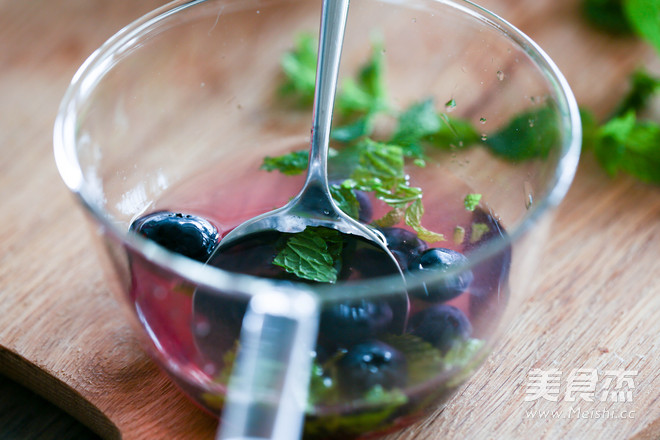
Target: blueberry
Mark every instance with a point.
(344, 324)
(404, 244)
(366, 212)
(369, 364)
(442, 326)
(185, 234)
(438, 260)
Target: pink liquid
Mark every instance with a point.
(193, 335)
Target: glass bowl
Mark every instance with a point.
(177, 113)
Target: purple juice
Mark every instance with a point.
(380, 362)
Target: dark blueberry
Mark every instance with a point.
(442, 326)
(185, 234)
(404, 244)
(437, 260)
(366, 212)
(369, 364)
(347, 323)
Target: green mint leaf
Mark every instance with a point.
(643, 88)
(313, 254)
(453, 133)
(299, 67)
(346, 200)
(414, 124)
(459, 235)
(478, 231)
(392, 218)
(368, 93)
(379, 164)
(360, 127)
(644, 16)
(290, 164)
(606, 15)
(632, 146)
(382, 406)
(471, 201)
(529, 135)
(413, 219)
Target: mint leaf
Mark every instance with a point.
(632, 146)
(379, 164)
(414, 124)
(313, 254)
(478, 230)
(644, 16)
(471, 201)
(529, 135)
(346, 200)
(382, 405)
(392, 218)
(368, 93)
(643, 87)
(289, 164)
(361, 127)
(413, 219)
(299, 67)
(606, 15)
(453, 133)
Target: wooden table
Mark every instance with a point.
(595, 304)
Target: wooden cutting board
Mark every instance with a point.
(595, 303)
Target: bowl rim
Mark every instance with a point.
(215, 279)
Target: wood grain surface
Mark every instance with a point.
(595, 302)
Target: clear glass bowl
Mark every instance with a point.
(177, 112)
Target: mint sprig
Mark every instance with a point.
(299, 68)
(313, 254)
(290, 164)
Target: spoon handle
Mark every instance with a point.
(269, 383)
(331, 37)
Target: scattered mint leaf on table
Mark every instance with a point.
(454, 133)
(362, 126)
(313, 254)
(643, 87)
(644, 16)
(368, 93)
(414, 124)
(290, 164)
(529, 135)
(299, 67)
(606, 15)
(629, 145)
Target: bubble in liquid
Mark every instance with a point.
(482, 120)
(484, 137)
(500, 75)
(531, 123)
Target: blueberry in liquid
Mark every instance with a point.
(442, 326)
(347, 323)
(404, 244)
(369, 364)
(185, 234)
(437, 260)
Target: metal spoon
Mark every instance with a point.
(314, 206)
(279, 329)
